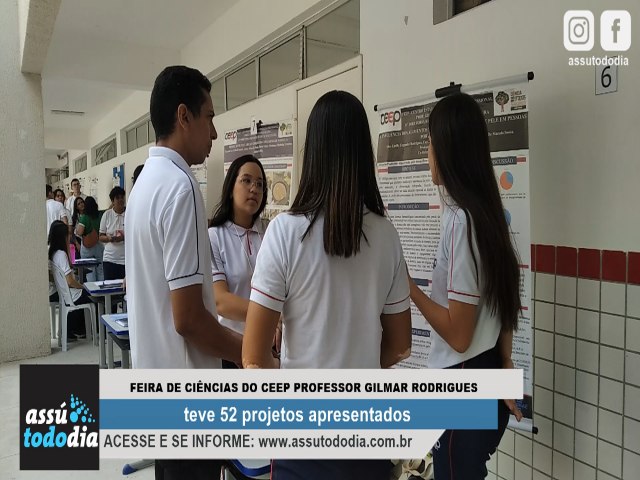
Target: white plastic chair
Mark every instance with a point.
(53, 306)
(67, 306)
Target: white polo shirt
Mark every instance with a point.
(167, 248)
(55, 211)
(110, 223)
(234, 252)
(454, 278)
(61, 260)
(331, 305)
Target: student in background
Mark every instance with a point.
(55, 211)
(112, 236)
(58, 196)
(235, 232)
(333, 266)
(78, 210)
(59, 256)
(475, 299)
(88, 227)
(76, 193)
(136, 173)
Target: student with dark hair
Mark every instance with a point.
(59, 258)
(87, 228)
(236, 231)
(112, 236)
(55, 210)
(475, 299)
(172, 313)
(136, 173)
(78, 210)
(333, 267)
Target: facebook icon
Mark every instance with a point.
(615, 30)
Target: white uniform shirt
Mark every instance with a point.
(454, 278)
(55, 211)
(234, 252)
(331, 305)
(167, 248)
(110, 223)
(62, 262)
(71, 201)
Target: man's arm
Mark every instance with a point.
(199, 327)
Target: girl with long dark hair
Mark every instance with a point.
(78, 210)
(235, 232)
(88, 227)
(475, 299)
(333, 266)
(59, 237)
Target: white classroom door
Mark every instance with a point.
(348, 80)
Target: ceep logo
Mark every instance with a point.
(390, 117)
(230, 138)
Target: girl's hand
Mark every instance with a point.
(510, 403)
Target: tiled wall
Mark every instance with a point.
(586, 370)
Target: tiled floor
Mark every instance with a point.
(80, 352)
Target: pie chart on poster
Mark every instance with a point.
(507, 215)
(506, 180)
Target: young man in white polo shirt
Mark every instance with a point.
(172, 316)
(55, 210)
(71, 201)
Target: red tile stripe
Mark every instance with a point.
(614, 266)
(607, 265)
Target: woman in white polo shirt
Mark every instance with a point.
(235, 233)
(333, 266)
(475, 299)
(112, 235)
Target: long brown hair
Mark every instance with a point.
(338, 173)
(461, 145)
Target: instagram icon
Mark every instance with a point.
(578, 30)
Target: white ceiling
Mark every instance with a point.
(101, 51)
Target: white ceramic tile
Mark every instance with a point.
(563, 409)
(563, 438)
(586, 417)
(523, 472)
(491, 476)
(566, 290)
(583, 472)
(10, 426)
(562, 466)
(609, 458)
(543, 401)
(586, 448)
(611, 394)
(613, 297)
(633, 301)
(631, 463)
(545, 430)
(543, 373)
(505, 466)
(632, 402)
(611, 362)
(605, 476)
(633, 334)
(612, 330)
(540, 476)
(631, 435)
(565, 320)
(524, 449)
(544, 316)
(588, 325)
(587, 356)
(492, 464)
(632, 368)
(610, 427)
(541, 458)
(544, 344)
(545, 286)
(587, 387)
(565, 350)
(589, 294)
(565, 380)
(507, 444)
